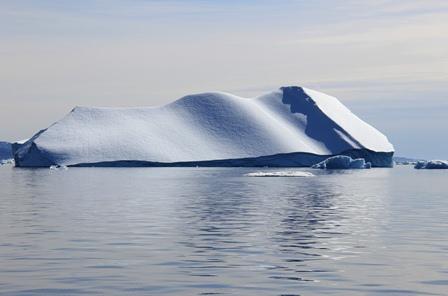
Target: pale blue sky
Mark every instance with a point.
(386, 60)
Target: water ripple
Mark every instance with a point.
(214, 231)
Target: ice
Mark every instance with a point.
(342, 162)
(58, 167)
(5, 151)
(420, 164)
(291, 126)
(358, 163)
(280, 174)
(431, 164)
(399, 160)
(6, 161)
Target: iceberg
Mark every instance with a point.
(431, 164)
(399, 160)
(288, 127)
(5, 151)
(342, 162)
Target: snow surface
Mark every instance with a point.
(342, 162)
(280, 174)
(431, 164)
(205, 127)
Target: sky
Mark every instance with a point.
(385, 60)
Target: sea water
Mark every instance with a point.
(219, 231)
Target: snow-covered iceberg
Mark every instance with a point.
(431, 165)
(291, 126)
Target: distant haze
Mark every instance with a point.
(386, 60)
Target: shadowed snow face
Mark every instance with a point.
(319, 126)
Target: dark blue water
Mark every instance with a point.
(214, 231)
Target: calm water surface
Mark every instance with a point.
(214, 231)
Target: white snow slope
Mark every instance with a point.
(207, 127)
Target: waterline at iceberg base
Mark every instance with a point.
(289, 127)
(298, 159)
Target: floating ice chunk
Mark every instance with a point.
(337, 162)
(58, 167)
(342, 162)
(432, 165)
(280, 174)
(358, 163)
(6, 161)
(399, 160)
(420, 165)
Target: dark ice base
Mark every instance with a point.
(297, 159)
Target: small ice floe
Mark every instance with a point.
(431, 165)
(280, 174)
(342, 162)
(6, 161)
(399, 160)
(58, 167)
